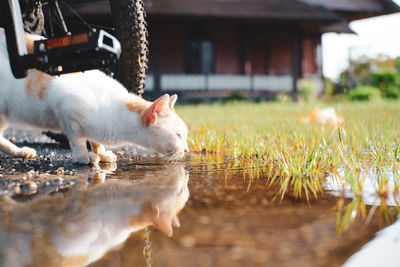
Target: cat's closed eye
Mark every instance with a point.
(179, 135)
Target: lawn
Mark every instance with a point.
(268, 139)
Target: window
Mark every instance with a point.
(199, 55)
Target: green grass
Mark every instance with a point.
(269, 140)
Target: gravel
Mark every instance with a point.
(51, 171)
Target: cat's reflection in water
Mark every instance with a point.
(80, 228)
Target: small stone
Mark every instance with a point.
(13, 139)
(28, 188)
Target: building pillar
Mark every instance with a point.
(157, 59)
(296, 61)
(320, 71)
(242, 39)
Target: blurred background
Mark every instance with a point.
(261, 49)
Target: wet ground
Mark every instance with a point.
(232, 222)
(68, 215)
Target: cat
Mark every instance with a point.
(325, 116)
(86, 106)
(82, 227)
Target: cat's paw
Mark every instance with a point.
(108, 157)
(90, 158)
(26, 153)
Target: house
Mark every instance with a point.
(258, 47)
(253, 46)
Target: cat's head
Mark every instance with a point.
(168, 204)
(166, 130)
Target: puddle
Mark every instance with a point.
(225, 219)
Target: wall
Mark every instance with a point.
(280, 53)
(309, 61)
(239, 49)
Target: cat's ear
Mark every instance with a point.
(152, 112)
(172, 101)
(162, 222)
(175, 221)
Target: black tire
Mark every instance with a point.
(128, 18)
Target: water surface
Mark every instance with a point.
(226, 218)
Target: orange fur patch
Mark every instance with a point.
(139, 106)
(36, 83)
(95, 147)
(144, 118)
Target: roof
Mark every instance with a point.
(333, 14)
(338, 27)
(371, 6)
(240, 9)
(324, 10)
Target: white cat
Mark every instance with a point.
(86, 106)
